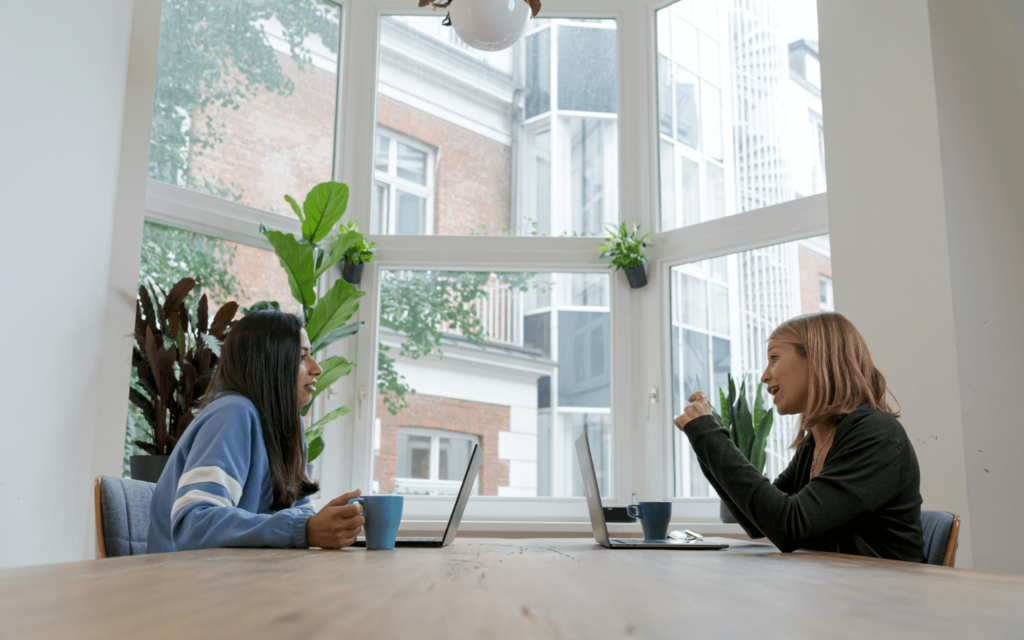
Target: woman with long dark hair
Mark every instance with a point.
(853, 485)
(237, 477)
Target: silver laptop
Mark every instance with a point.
(597, 512)
(475, 459)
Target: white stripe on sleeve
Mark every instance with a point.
(215, 475)
(198, 496)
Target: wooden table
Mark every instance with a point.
(490, 588)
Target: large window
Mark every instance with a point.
(739, 107)
(487, 179)
(520, 142)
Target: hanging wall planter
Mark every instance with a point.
(352, 273)
(637, 276)
(626, 249)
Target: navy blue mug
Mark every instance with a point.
(383, 515)
(654, 518)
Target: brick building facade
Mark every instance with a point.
(813, 265)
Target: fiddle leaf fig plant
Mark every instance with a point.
(326, 314)
(749, 431)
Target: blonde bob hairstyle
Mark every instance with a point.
(843, 377)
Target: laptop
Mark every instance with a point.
(597, 520)
(450, 532)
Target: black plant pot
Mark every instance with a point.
(636, 276)
(724, 514)
(352, 273)
(147, 468)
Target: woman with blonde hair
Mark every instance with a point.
(853, 485)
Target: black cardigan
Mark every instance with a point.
(866, 500)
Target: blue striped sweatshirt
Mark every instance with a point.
(216, 489)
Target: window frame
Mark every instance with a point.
(640, 320)
(435, 435)
(394, 183)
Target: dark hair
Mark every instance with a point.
(260, 360)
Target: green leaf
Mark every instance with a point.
(732, 391)
(337, 250)
(295, 208)
(758, 406)
(297, 260)
(726, 411)
(334, 368)
(757, 448)
(324, 206)
(332, 337)
(314, 449)
(333, 310)
(262, 305)
(743, 425)
(337, 413)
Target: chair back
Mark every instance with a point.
(122, 516)
(941, 533)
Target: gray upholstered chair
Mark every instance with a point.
(122, 516)
(941, 533)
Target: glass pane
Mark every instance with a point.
(538, 118)
(689, 190)
(770, 285)
(538, 73)
(412, 164)
(380, 158)
(453, 458)
(759, 105)
(668, 183)
(687, 122)
(245, 97)
(379, 206)
(692, 299)
(413, 460)
(473, 353)
(409, 214)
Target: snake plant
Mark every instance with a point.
(749, 431)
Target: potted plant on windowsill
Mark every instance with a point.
(625, 249)
(356, 256)
(749, 431)
(174, 359)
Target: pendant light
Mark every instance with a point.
(488, 25)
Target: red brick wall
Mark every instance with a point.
(275, 145)
(262, 277)
(473, 177)
(433, 412)
(812, 266)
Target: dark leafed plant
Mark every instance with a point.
(174, 357)
(749, 431)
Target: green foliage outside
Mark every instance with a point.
(749, 432)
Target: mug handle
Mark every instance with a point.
(631, 508)
(361, 500)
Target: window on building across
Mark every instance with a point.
(825, 293)
(722, 312)
(533, 129)
(519, 361)
(735, 82)
(431, 461)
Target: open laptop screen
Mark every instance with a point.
(592, 490)
(460, 502)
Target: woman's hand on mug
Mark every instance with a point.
(701, 407)
(337, 524)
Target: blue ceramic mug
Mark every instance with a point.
(654, 518)
(383, 515)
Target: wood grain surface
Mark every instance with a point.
(477, 588)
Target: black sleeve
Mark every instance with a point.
(786, 482)
(741, 519)
(860, 478)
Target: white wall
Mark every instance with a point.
(978, 51)
(924, 151)
(68, 267)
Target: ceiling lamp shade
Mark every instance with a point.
(488, 25)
